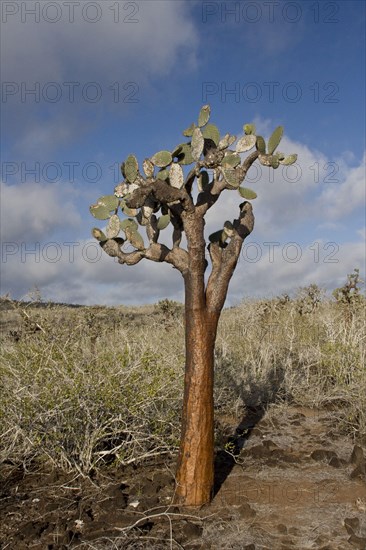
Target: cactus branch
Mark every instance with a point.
(156, 252)
(224, 262)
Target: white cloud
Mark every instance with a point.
(80, 272)
(35, 211)
(118, 46)
(341, 199)
(270, 278)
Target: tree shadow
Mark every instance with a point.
(224, 460)
(259, 395)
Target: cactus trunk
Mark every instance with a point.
(195, 471)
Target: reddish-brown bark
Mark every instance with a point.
(195, 471)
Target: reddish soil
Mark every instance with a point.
(295, 484)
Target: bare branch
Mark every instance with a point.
(193, 173)
(165, 194)
(155, 252)
(223, 266)
(112, 248)
(215, 251)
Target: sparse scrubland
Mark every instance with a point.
(88, 386)
(92, 390)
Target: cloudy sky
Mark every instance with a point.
(84, 84)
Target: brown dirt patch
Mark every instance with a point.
(296, 484)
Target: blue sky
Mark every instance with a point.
(112, 78)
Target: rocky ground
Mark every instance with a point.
(295, 483)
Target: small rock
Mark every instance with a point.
(281, 528)
(268, 444)
(258, 451)
(192, 530)
(357, 456)
(335, 462)
(359, 471)
(351, 525)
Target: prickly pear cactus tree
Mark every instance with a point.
(175, 189)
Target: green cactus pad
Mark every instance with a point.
(245, 143)
(123, 171)
(148, 168)
(265, 160)
(188, 132)
(113, 227)
(275, 139)
(185, 154)
(291, 159)
(128, 211)
(249, 129)
(211, 132)
(163, 221)
(197, 144)
(275, 162)
(109, 201)
(204, 115)
(203, 181)
(162, 159)
(231, 161)
(247, 193)
(280, 156)
(128, 223)
(99, 212)
(98, 234)
(261, 145)
(176, 176)
(163, 174)
(135, 238)
(226, 141)
(131, 168)
(231, 178)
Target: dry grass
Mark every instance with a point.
(99, 386)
